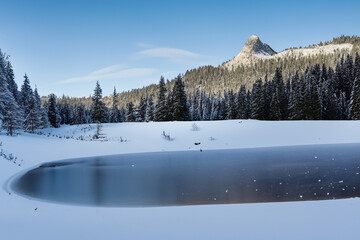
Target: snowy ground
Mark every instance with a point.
(333, 219)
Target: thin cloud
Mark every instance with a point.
(112, 72)
(169, 53)
(108, 69)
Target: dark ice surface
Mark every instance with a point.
(272, 174)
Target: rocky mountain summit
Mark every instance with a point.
(252, 51)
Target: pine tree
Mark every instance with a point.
(98, 109)
(342, 107)
(160, 107)
(194, 110)
(122, 113)
(26, 93)
(12, 86)
(230, 105)
(355, 94)
(207, 108)
(53, 112)
(241, 102)
(149, 115)
(278, 102)
(199, 107)
(348, 77)
(307, 113)
(257, 101)
(214, 115)
(44, 120)
(355, 101)
(10, 114)
(32, 119)
(142, 109)
(315, 99)
(267, 99)
(130, 112)
(295, 100)
(181, 112)
(114, 113)
(137, 115)
(169, 106)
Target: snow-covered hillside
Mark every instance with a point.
(254, 50)
(23, 218)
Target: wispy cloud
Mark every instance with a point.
(109, 69)
(168, 53)
(143, 45)
(112, 72)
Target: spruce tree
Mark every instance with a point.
(114, 113)
(169, 106)
(160, 107)
(142, 108)
(53, 112)
(257, 101)
(12, 86)
(315, 99)
(295, 100)
(98, 109)
(149, 115)
(278, 102)
(355, 94)
(241, 102)
(207, 108)
(26, 94)
(10, 114)
(214, 115)
(179, 100)
(230, 105)
(130, 112)
(32, 119)
(355, 101)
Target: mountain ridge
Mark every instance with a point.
(254, 50)
(213, 80)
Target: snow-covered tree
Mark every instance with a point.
(149, 115)
(130, 112)
(355, 94)
(230, 105)
(33, 118)
(10, 114)
(26, 94)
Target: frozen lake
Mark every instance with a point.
(273, 174)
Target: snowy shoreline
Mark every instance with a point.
(277, 220)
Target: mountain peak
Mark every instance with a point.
(252, 51)
(254, 46)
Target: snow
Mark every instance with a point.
(23, 218)
(306, 52)
(247, 59)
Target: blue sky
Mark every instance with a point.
(66, 46)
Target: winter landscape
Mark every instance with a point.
(156, 130)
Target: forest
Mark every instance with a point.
(320, 92)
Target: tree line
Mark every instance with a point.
(321, 92)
